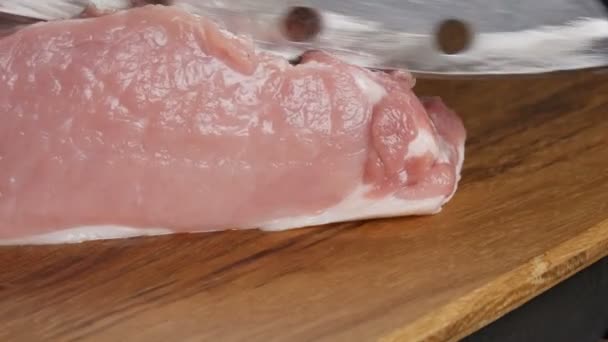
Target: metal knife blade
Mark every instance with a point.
(509, 36)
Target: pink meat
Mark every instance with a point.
(154, 121)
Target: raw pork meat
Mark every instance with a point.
(153, 121)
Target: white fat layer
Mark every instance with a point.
(314, 64)
(85, 233)
(423, 143)
(369, 87)
(358, 206)
(443, 151)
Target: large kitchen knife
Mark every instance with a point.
(492, 37)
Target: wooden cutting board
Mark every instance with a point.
(532, 210)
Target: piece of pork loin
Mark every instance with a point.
(154, 121)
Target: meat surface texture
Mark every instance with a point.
(154, 121)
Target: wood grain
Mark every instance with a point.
(532, 210)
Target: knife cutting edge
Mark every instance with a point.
(493, 37)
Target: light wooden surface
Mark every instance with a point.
(532, 210)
